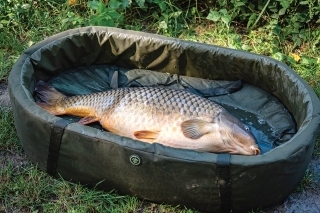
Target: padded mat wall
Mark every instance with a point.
(206, 181)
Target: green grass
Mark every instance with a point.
(29, 189)
(23, 187)
(8, 136)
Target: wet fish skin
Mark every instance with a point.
(174, 118)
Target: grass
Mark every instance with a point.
(23, 187)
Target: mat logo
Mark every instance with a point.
(135, 160)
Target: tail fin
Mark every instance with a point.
(49, 95)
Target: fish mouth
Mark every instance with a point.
(255, 150)
(249, 151)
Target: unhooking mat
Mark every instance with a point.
(205, 181)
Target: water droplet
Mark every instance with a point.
(250, 123)
(274, 134)
(261, 121)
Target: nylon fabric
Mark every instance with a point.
(174, 176)
(224, 182)
(54, 146)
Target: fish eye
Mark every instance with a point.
(246, 128)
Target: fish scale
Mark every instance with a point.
(171, 117)
(160, 98)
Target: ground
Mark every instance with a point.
(306, 199)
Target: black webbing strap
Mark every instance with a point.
(57, 130)
(224, 181)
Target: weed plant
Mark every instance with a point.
(287, 30)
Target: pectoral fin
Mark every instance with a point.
(88, 120)
(195, 128)
(146, 134)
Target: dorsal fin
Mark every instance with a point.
(195, 128)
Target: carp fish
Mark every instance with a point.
(171, 117)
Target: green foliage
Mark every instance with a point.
(169, 18)
(222, 15)
(13, 12)
(288, 17)
(105, 16)
(165, 16)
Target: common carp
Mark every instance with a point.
(174, 118)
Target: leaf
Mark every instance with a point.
(295, 57)
(213, 16)
(285, 4)
(304, 2)
(223, 11)
(226, 19)
(163, 25)
(282, 11)
(276, 30)
(94, 5)
(114, 14)
(239, 4)
(251, 6)
(115, 4)
(140, 2)
(70, 2)
(279, 56)
(296, 40)
(308, 60)
(102, 7)
(108, 17)
(291, 60)
(273, 8)
(251, 20)
(245, 47)
(175, 14)
(160, 3)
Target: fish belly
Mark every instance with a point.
(175, 138)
